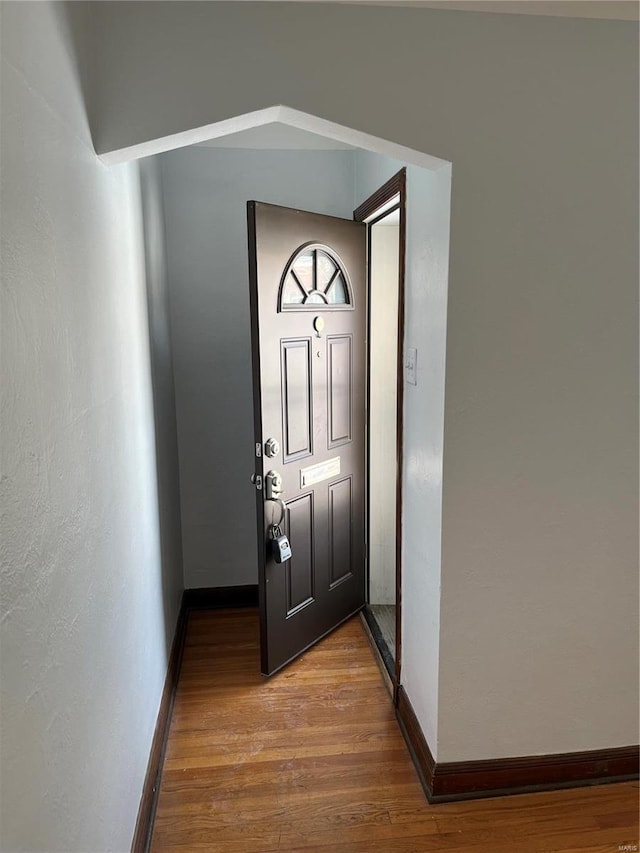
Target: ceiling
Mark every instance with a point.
(283, 137)
(620, 10)
(277, 136)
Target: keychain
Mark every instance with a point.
(280, 547)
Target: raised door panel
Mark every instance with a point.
(296, 398)
(340, 531)
(299, 570)
(340, 389)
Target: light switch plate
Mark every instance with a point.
(411, 366)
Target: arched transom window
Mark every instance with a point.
(314, 278)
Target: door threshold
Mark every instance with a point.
(384, 673)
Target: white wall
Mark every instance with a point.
(205, 196)
(87, 606)
(383, 402)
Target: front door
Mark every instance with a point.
(308, 315)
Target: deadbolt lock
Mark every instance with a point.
(271, 448)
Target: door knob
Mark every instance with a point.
(273, 486)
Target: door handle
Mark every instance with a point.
(273, 486)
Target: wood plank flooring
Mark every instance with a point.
(312, 760)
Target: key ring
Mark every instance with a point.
(283, 511)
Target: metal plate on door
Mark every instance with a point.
(317, 473)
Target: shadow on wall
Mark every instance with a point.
(164, 404)
(74, 24)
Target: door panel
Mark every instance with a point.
(300, 568)
(340, 389)
(340, 524)
(308, 315)
(296, 398)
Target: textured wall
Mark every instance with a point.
(87, 608)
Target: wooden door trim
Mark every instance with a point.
(395, 186)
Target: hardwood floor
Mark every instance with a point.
(312, 759)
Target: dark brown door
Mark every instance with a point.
(308, 314)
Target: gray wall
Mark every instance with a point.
(89, 596)
(539, 117)
(205, 196)
(164, 401)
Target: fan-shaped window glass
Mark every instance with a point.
(314, 278)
